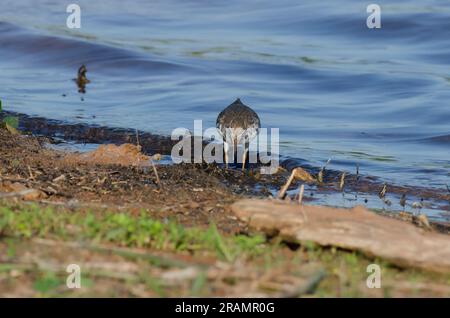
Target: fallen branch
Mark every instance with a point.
(357, 229)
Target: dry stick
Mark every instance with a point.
(320, 176)
(139, 149)
(31, 173)
(283, 190)
(137, 138)
(322, 170)
(300, 199)
(158, 181)
(342, 183)
(383, 191)
(156, 173)
(382, 194)
(342, 186)
(300, 194)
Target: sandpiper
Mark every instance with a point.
(238, 124)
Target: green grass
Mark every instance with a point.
(345, 270)
(9, 122)
(28, 221)
(47, 282)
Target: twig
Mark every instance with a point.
(322, 170)
(158, 181)
(342, 183)
(137, 139)
(283, 190)
(300, 194)
(383, 191)
(31, 173)
(357, 181)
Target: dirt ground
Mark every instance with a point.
(191, 194)
(250, 183)
(239, 263)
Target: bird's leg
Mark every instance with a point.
(225, 148)
(244, 157)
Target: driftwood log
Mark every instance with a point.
(398, 242)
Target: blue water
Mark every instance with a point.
(335, 88)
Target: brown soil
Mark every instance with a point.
(190, 194)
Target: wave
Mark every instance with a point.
(443, 139)
(28, 46)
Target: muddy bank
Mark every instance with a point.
(187, 193)
(81, 133)
(253, 183)
(193, 194)
(68, 189)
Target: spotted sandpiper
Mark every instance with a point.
(238, 124)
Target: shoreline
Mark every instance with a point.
(49, 199)
(57, 132)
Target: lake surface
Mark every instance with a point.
(334, 88)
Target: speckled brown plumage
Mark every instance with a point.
(238, 125)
